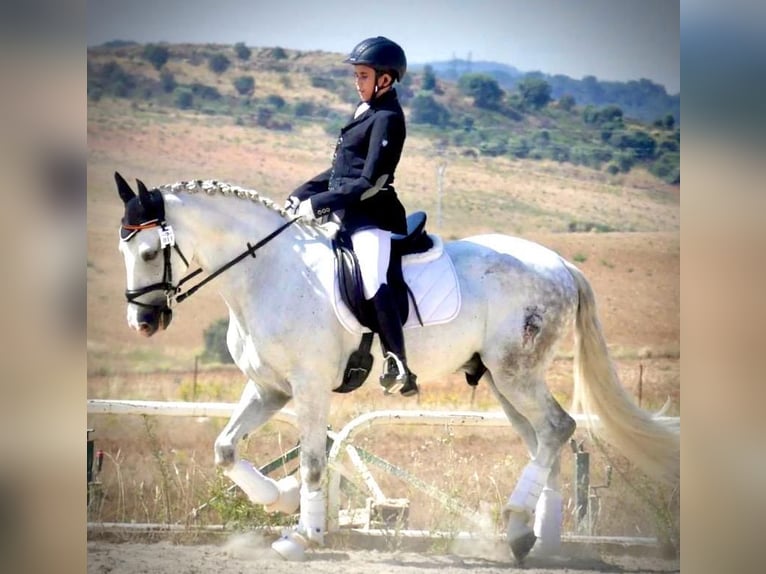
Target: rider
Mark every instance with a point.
(358, 190)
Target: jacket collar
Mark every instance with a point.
(387, 101)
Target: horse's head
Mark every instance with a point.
(145, 243)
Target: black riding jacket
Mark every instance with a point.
(357, 188)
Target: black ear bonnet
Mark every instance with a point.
(145, 207)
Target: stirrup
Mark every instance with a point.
(397, 377)
(394, 370)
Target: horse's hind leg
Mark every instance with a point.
(525, 394)
(548, 512)
(255, 407)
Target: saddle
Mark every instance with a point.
(416, 240)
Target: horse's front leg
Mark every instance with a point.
(312, 410)
(256, 406)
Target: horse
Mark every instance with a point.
(518, 299)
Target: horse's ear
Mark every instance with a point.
(143, 194)
(126, 194)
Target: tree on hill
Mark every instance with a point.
(567, 102)
(156, 55)
(484, 89)
(242, 51)
(245, 85)
(219, 63)
(429, 78)
(535, 93)
(667, 122)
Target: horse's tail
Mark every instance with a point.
(642, 437)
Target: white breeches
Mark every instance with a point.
(373, 250)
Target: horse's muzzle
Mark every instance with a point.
(151, 319)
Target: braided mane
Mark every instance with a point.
(215, 187)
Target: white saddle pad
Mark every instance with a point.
(432, 280)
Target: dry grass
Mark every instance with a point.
(161, 470)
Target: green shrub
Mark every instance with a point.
(214, 337)
(640, 142)
(276, 100)
(278, 53)
(242, 51)
(304, 108)
(668, 167)
(167, 81)
(567, 102)
(519, 148)
(559, 152)
(95, 93)
(625, 160)
(494, 147)
(322, 82)
(245, 85)
(112, 79)
(590, 156)
(183, 98)
(218, 63)
(205, 92)
(156, 55)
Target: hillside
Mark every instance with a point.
(642, 100)
(539, 118)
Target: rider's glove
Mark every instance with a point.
(305, 210)
(291, 204)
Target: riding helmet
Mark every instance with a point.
(382, 54)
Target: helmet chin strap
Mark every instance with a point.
(377, 88)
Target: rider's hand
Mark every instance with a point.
(291, 204)
(305, 210)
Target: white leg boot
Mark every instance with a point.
(289, 496)
(260, 489)
(293, 543)
(520, 509)
(548, 519)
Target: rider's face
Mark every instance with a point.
(364, 77)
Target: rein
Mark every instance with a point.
(251, 249)
(172, 292)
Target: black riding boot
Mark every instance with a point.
(395, 375)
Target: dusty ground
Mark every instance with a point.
(241, 555)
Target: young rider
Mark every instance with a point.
(358, 190)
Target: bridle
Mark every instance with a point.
(171, 291)
(173, 294)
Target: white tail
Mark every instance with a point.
(646, 441)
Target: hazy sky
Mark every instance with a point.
(610, 39)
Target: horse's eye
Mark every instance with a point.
(149, 254)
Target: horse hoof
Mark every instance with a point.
(522, 545)
(290, 547)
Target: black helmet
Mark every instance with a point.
(380, 53)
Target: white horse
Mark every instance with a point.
(518, 301)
